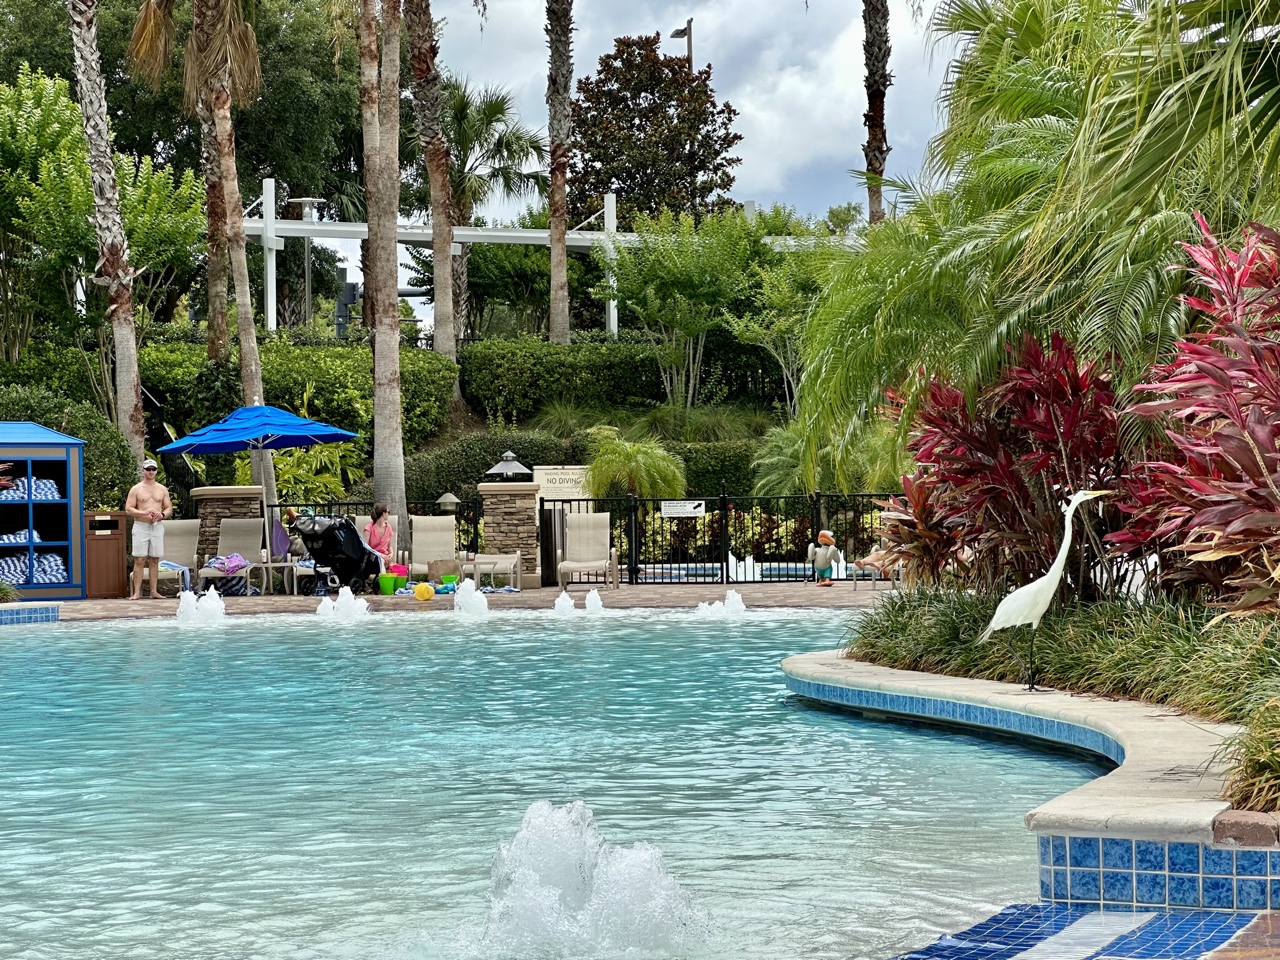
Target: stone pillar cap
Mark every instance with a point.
(509, 488)
(203, 493)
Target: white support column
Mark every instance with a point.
(269, 247)
(610, 228)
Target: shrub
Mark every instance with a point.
(710, 468)
(109, 467)
(518, 377)
(8, 594)
(56, 367)
(341, 381)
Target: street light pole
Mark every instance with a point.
(687, 33)
(308, 214)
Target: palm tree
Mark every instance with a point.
(108, 222)
(559, 31)
(489, 150)
(643, 467)
(875, 50)
(424, 52)
(378, 32)
(217, 337)
(220, 63)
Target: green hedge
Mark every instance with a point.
(517, 377)
(57, 367)
(195, 392)
(109, 467)
(711, 467)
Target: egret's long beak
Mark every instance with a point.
(1100, 493)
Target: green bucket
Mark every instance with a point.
(449, 578)
(386, 584)
(401, 582)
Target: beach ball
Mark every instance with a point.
(424, 591)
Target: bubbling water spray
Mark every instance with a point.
(716, 610)
(564, 604)
(209, 608)
(594, 604)
(559, 889)
(346, 609)
(470, 601)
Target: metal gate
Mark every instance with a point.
(719, 539)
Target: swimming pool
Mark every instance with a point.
(272, 787)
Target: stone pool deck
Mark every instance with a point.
(841, 597)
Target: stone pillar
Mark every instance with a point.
(511, 524)
(214, 503)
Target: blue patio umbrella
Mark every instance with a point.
(257, 428)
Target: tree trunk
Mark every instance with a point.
(461, 292)
(250, 363)
(559, 78)
(218, 338)
(380, 113)
(424, 51)
(113, 246)
(875, 48)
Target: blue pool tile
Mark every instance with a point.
(1275, 894)
(1178, 935)
(1084, 852)
(1060, 885)
(1184, 858)
(1045, 852)
(1251, 894)
(1117, 886)
(1117, 854)
(1060, 852)
(1251, 863)
(1150, 887)
(1275, 863)
(1218, 893)
(1184, 891)
(1085, 885)
(1149, 855)
(1046, 883)
(1218, 862)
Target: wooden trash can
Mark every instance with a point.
(106, 554)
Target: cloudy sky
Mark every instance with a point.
(794, 75)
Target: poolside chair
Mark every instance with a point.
(586, 548)
(430, 539)
(242, 536)
(181, 539)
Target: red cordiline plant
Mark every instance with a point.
(1212, 511)
(985, 503)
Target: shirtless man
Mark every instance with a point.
(148, 505)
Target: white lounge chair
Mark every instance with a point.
(586, 548)
(430, 539)
(240, 536)
(181, 540)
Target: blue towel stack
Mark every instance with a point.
(20, 537)
(40, 490)
(50, 568)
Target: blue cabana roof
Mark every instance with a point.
(257, 428)
(27, 433)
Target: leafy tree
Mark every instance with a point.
(648, 129)
(642, 468)
(677, 280)
(841, 220)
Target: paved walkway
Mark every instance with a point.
(843, 596)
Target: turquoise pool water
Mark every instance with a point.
(275, 787)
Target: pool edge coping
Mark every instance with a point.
(1165, 788)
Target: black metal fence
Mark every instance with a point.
(469, 516)
(720, 539)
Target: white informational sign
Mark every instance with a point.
(561, 483)
(684, 508)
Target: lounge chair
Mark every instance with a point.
(430, 539)
(181, 539)
(494, 565)
(240, 536)
(586, 548)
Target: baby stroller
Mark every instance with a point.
(334, 542)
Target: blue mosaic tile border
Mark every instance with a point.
(1151, 873)
(17, 614)
(957, 711)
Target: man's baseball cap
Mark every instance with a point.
(148, 463)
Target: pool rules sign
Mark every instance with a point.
(684, 508)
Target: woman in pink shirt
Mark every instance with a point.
(378, 534)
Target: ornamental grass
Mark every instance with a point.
(1161, 652)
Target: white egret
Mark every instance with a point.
(1028, 603)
